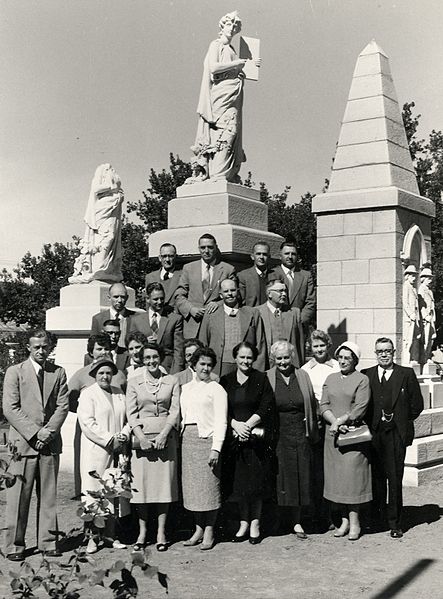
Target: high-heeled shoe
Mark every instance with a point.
(192, 542)
(207, 546)
(354, 534)
(240, 538)
(341, 532)
(138, 546)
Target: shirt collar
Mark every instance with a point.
(36, 366)
(151, 312)
(271, 307)
(204, 266)
(228, 310)
(260, 272)
(163, 271)
(313, 363)
(287, 271)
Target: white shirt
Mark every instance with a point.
(260, 272)
(288, 272)
(36, 366)
(388, 372)
(318, 373)
(163, 271)
(115, 315)
(205, 403)
(229, 310)
(205, 269)
(151, 316)
(271, 307)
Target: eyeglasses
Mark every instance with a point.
(381, 352)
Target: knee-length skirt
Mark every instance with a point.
(155, 474)
(200, 483)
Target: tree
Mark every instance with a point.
(136, 260)
(427, 157)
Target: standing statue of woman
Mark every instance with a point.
(218, 145)
(101, 254)
(427, 310)
(411, 318)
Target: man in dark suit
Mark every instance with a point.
(118, 296)
(117, 353)
(301, 290)
(167, 275)
(199, 286)
(35, 403)
(280, 322)
(162, 326)
(396, 401)
(231, 324)
(253, 280)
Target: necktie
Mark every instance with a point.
(166, 276)
(122, 321)
(206, 282)
(41, 378)
(277, 313)
(154, 323)
(383, 378)
(290, 277)
(233, 313)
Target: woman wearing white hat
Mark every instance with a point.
(344, 401)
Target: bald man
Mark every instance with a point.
(118, 296)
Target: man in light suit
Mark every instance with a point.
(161, 326)
(118, 296)
(301, 290)
(253, 280)
(167, 275)
(228, 326)
(396, 401)
(280, 322)
(199, 285)
(35, 403)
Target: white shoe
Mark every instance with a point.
(117, 545)
(92, 547)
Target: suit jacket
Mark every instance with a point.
(292, 325)
(252, 287)
(170, 286)
(302, 294)
(27, 411)
(121, 358)
(101, 317)
(212, 333)
(169, 336)
(190, 292)
(407, 401)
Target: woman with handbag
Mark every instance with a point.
(248, 459)
(297, 427)
(102, 419)
(344, 402)
(152, 406)
(204, 410)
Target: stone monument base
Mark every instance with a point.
(71, 322)
(232, 213)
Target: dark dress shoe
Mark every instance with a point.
(53, 553)
(162, 547)
(300, 535)
(240, 538)
(15, 557)
(255, 540)
(396, 533)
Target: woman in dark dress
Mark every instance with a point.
(296, 408)
(247, 463)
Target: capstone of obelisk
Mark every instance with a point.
(218, 150)
(100, 257)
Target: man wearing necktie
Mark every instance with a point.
(198, 292)
(35, 403)
(301, 290)
(231, 324)
(253, 280)
(168, 274)
(161, 326)
(396, 401)
(118, 296)
(281, 323)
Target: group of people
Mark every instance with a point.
(208, 395)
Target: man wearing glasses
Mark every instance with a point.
(396, 401)
(280, 322)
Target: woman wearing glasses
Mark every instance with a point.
(345, 400)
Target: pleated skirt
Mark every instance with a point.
(200, 483)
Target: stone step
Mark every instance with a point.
(415, 477)
(430, 422)
(425, 450)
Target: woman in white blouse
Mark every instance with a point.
(204, 408)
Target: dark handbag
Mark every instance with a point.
(355, 435)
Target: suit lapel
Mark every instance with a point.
(245, 322)
(31, 375)
(266, 317)
(216, 275)
(161, 327)
(296, 286)
(397, 381)
(48, 384)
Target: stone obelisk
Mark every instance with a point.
(372, 221)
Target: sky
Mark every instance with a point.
(92, 81)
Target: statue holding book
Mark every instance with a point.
(218, 145)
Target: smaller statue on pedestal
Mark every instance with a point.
(218, 145)
(411, 318)
(427, 310)
(100, 256)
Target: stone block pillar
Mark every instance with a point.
(372, 218)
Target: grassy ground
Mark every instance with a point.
(321, 567)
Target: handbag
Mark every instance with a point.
(355, 435)
(151, 426)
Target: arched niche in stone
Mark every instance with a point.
(413, 254)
